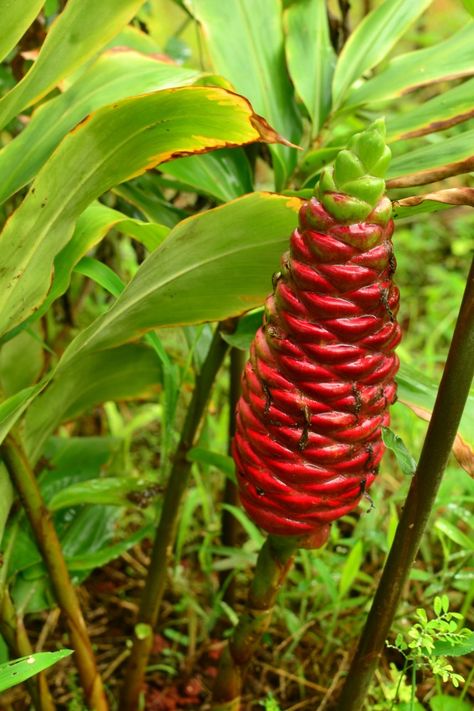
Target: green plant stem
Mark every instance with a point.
(230, 526)
(273, 564)
(447, 412)
(17, 640)
(467, 684)
(24, 481)
(166, 530)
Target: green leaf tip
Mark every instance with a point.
(354, 186)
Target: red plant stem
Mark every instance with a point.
(452, 395)
(24, 481)
(166, 530)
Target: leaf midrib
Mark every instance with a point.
(115, 313)
(62, 208)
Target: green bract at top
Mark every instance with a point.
(354, 185)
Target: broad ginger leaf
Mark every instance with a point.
(119, 141)
(372, 40)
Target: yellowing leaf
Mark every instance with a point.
(118, 142)
(113, 76)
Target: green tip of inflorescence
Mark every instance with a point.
(352, 187)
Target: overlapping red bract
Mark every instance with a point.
(320, 379)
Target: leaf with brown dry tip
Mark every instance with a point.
(418, 393)
(432, 202)
(443, 111)
(451, 59)
(433, 162)
(425, 177)
(118, 142)
(372, 40)
(115, 75)
(463, 452)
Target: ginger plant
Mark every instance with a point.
(319, 382)
(320, 379)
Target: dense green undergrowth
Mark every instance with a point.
(96, 382)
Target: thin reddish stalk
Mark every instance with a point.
(444, 423)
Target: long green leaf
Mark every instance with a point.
(19, 670)
(110, 281)
(13, 408)
(224, 258)
(6, 498)
(450, 59)
(129, 371)
(314, 161)
(80, 31)
(89, 560)
(114, 76)
(433, 162)
(101, 273)
(17, 16)
(94, 223)
(68, 460)
(132, 37)
(108, 491)
(145, 195)
(116, 143)
(372, 40)
(249, 527)
(454, 534)
(447, 109)
(21, 361)
(223, 174)
(213, 459)
(246, 45)
(351, 568)
(311, 57)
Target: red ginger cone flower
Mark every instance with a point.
(320, 379)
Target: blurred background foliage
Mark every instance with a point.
(105, 468)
